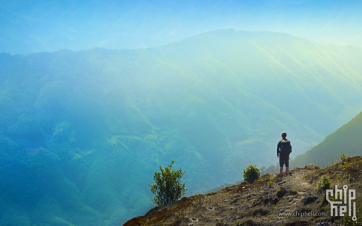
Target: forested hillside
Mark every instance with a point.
(83, 132)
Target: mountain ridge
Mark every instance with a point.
(343, 139)
(37, 26)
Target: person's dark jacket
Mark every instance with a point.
(279, 146)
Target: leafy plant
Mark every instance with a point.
(343, 156)
(167, 187)
(270, 183)
(251, 173)
(324, 183)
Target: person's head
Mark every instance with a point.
(284, 135)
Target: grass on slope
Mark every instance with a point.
(346, 138)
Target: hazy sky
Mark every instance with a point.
(36, 25)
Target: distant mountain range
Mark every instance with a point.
(39, 26)
(95, 125)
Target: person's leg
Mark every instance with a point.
(286, 165)
(286, 170)
(281, 163)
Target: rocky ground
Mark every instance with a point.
(289, 200)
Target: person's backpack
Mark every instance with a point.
(285, 148)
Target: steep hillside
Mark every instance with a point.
(290, 200)
(95, 125)
(346, 138)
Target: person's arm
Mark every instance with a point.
(278, 149)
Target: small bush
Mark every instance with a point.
(343, 156)
(251, 173)
(167, 187)
(270, 183)
(324, 183)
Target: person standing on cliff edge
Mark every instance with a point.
(284, 149)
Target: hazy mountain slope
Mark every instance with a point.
(346, 138)
(282, 70)
(93, 126)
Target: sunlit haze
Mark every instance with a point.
(36, 26)
(96, 96)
